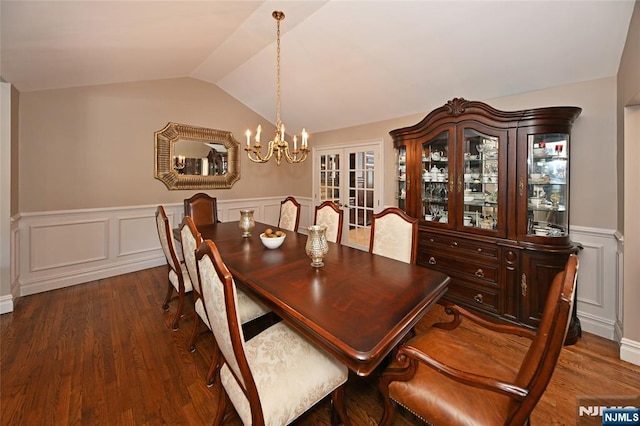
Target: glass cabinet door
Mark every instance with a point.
(481, 180)
(548, 185)
(435, 186)
(401, 190)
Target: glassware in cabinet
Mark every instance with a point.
(401, 190)
(547, 185)
(436, 186)
(481, 180)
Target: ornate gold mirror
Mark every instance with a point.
(189, 157)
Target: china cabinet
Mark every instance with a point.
(491, 190)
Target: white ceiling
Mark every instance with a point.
(343, 62)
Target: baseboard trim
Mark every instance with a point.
(6, 304)
(630, 351)
(597, 325)
(78, 277)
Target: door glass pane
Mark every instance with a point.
(480, 180)
(361, 197)
(329, 178)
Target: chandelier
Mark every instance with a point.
(278, 146)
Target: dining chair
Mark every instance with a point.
(394, 234)
(277, 375)
(445, 380)
(178, 276)
(289, 214)
(202, 208)
(331, 216)
(249, 309)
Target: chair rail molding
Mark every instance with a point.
(57, 249)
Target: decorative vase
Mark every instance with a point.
(317, 245)
(247, 223)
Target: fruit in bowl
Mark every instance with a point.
(272, 239)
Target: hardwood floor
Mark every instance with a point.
(104, 353)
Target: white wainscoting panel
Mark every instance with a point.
(597, 280)
(57, 249)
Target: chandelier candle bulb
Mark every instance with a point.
(248, 133)
(258, 133)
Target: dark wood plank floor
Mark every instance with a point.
(103, 353)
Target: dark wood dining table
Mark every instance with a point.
(358, 306)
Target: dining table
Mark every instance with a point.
(358, 306)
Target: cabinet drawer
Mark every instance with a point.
(478, 298)
(459, 244)
(483, 273)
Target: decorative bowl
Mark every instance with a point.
(272, 242)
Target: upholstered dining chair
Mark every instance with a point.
(248, 308)
(289, 214)
(444, 380)
(178, 276)
(277, 375)
(394, 234)
(202, 208)
(331, 216)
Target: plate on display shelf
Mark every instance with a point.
(542, 180)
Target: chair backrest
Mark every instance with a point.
(191, 240)
(220, 298)
(289, 214)
(541, 358)
(331, 216)
(202, 208)
(166, 240)
(394, 234)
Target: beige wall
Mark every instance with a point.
(593, 172)
(628, 176)
(91, 147)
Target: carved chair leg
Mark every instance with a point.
(222, 405)
(167, 298)
(214, 368)
(338, 406)
(195, 332)
(176, 319)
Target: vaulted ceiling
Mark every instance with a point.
(343, 62)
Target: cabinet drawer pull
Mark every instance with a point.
(454, 244)
(432, 260)
(480, 273)
(478, 298)
(479, 250)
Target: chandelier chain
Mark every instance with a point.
(278, 122)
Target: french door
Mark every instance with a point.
(351, 177)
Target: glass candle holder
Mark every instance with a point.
(317, 245)
(247, 223)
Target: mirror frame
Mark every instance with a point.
(165, 140)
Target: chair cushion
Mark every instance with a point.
(199, 308)
(288, 216)
(249, 308)
(173, 278)
(440, 400)
(393, 238)
(291, 375)
(328, 217)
